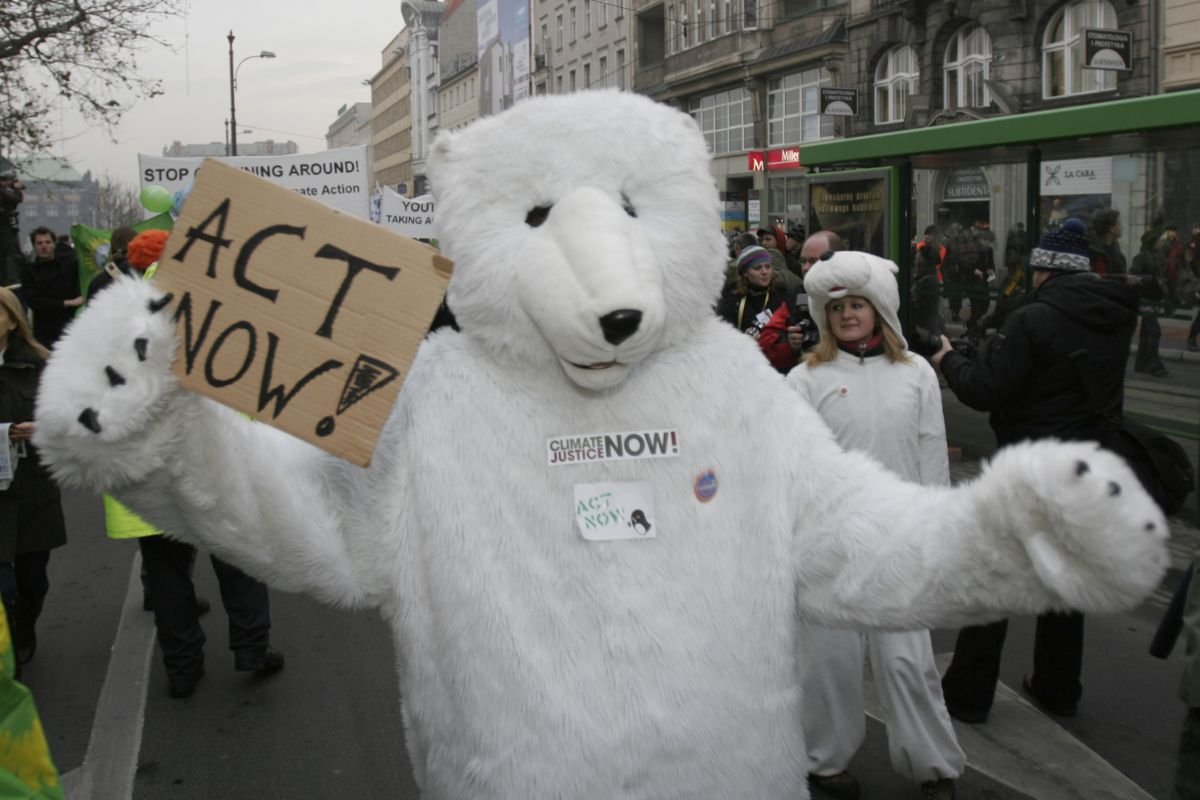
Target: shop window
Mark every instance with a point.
(793, 106)
(726, 119)
(968, 60)
(895, 79)
(1062, 50)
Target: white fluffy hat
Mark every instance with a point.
(851, 272)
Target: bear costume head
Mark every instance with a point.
(617, 248)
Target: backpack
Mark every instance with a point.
(1160, 463)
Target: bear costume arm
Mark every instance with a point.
(1047, 525)
(111, 417)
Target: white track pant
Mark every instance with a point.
(921, 737)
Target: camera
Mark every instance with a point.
(926, 343)
(802, 319)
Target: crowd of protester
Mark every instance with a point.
(1075, 289)
(1043, 350)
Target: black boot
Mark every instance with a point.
(24, 634)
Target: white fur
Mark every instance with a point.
(851, 272)
(534, 663)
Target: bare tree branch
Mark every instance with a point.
(82, 51)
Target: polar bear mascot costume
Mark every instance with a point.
(596, 512)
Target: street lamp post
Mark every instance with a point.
(233, 91)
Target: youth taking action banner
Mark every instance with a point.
(338, 178)
(408, 216)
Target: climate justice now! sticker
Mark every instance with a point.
(627, 446)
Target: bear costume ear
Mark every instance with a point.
(439, 156)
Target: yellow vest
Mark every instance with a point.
(122, 523)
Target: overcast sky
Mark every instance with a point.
(323, 53)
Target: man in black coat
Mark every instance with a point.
(1056, 368)
(50, 283)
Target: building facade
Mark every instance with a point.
(749, 73)
(391, 118)
(924, 64)
(421, 19)
(269, 147)
(458, 66)
(581, 44)
(56, 196)
(352, 128)
(1180, 45)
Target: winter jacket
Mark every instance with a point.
(745, 316)
(892, 410)
(46, 284)
(31, 517)
(1027, 375)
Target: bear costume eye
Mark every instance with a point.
(628, 206)
(537, 216)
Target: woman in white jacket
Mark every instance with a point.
(881, 399)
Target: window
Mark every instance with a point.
(968, 57)
(684, 39)
(713, 27)
(587, 76)
(621, 70)
(726, 119)
(749, 14)
(620, 9)
(895, 79)
(560, 32)
(603, 81)
(571, 80)
(1062, 50)
(587, 17)
(573, 24)
(602, 13)
(699, 37)
(672, 34)
(793, 108)
(560, 91)
(545, 39)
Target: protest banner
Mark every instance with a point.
(407, 216)
(338, 178)
(293, 313)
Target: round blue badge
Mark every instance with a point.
(705, 486)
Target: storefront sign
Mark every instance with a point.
(784, 158)
(855, 208)
(839, 102)
(1107, 49)
(1077, 176)
(966, 185)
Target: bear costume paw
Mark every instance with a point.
(107, 402)
(1093, 536)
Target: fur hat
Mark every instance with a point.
(751, 257)
(1064, 249)
(850, 272)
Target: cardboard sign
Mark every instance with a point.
(302, 317)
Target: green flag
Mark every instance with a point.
(91, 246)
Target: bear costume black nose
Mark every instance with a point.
(619, 325)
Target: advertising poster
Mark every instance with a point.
(855, 207)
